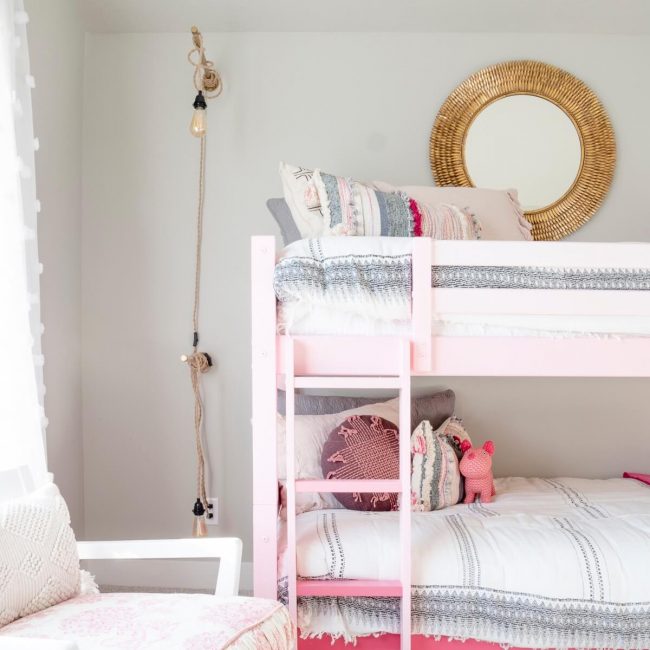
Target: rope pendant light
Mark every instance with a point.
(208, 85)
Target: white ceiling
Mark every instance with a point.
(539, 16)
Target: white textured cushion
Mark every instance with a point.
(39, 563)
(311, 432)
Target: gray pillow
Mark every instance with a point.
(436, 407)
(283, 217)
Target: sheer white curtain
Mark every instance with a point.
(22, 420)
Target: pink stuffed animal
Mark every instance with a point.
(476, 467)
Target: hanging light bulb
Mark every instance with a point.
(198, 125)
(199, 527)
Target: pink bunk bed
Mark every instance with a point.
(300, 360)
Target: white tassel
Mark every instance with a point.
(87, 583)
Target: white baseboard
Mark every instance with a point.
(166, 574)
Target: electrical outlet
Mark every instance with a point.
(213, 509)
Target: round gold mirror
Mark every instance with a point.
(532, 127)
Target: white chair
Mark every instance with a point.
(227, 550)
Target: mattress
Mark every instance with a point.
(551, 563)
(362, 285)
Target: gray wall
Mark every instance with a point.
(56, 44)
(357, 104)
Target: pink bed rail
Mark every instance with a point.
(321, 361)
(392, 641)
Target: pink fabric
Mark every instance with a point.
(391, 642)
(476, 467)
(644, 478)
(148, 621)
(363, 447)
(417, 218)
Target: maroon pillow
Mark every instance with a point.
(363, 447)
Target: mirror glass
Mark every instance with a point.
(526, 143)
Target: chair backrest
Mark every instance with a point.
(228, 550)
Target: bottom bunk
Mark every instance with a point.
(550, 563)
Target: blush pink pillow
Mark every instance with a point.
(498, 211)
(363, 447)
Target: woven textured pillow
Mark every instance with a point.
(311, 433)
(436, 481)
(353, 208)
(39, 564)
(363, 447)
(499, 212)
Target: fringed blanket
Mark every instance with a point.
(551, 563)
(362, 285)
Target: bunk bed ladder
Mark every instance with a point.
(400, 381)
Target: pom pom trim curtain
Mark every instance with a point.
(22, 419)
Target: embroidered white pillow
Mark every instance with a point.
(436, 481)
(297, 184)
(39, 564)
(311, 432)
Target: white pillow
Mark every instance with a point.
(39, 563)
(311, 432)
(295, 183)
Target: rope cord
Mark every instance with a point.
(199, 362)
(206, 79)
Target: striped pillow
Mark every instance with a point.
(352, 208)
(436, 481)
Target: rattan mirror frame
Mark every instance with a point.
(574, 97)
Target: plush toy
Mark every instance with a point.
(476, 467)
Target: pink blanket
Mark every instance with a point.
(644, 478)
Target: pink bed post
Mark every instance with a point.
(405, 496)
(265, 484)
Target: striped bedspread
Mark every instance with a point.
(551, 563)
(362, 285)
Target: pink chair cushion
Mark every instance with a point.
(363, 447)
(147, 621)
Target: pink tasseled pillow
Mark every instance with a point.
(363, 447)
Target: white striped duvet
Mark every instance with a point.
(550, 563)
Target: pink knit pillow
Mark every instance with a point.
(363, 447)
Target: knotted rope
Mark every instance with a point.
(206, 78)
(199, 363)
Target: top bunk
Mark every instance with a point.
(467, 308)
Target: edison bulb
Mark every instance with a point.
(199, 527)
(199, 123)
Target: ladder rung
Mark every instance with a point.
(349, 588)
(347, 382)
(343, 485)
